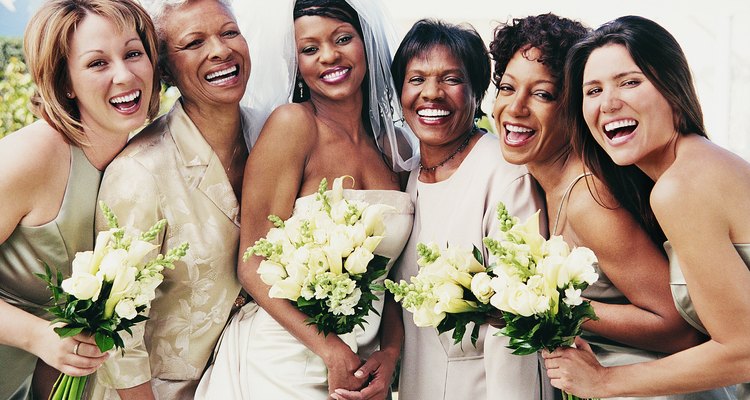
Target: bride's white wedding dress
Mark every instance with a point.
(258, 359)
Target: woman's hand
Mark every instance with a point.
(342, 363)
(379, 369)
(73, 356)
(576, 370)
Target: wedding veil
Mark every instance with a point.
(268, 28)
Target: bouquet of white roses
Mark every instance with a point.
(322, 260)
(108, 289)
(538, 285)
(451, 289)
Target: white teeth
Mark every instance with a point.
(222, 72)
(619, 124)
(126, 98)
(433, 112)
(517, 129)
(336, 74)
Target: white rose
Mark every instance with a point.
(318, 261)
(426, 316)
(82, 263)
(271, 272)
(556, 246)
(341, 243)
(481, 286)
(288, 288)
(463, 259)
(112, 263)
(338, 212)
(83, 286)
(526, 302)
(578, 267)
(572, 296)
(125, 308)
(357, 262)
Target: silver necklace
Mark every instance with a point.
(450, 157)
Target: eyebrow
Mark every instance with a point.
(99, 51)
(536, 82)
(618, 76)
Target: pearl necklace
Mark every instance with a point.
(450, 157)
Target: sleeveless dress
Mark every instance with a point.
(685, 305)
(611, 353)
(56, 243)
(258, 359)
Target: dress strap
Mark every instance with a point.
(565, 196)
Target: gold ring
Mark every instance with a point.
(75, 348)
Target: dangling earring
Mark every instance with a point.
(301, 87)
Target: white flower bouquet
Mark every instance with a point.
(322, 259)
(451, 289)
(538, 285)
(107, 291)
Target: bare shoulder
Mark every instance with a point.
(290, 123)
(34, 151)
(591, 207)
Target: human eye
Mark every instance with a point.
(631, 82)
(344, 39)
(592, 91)
(545, 95)
(133, 54)
(97, 63)
(416, 80)
(308, 50)
(453, 80)
(193, 44)
(505, 88)
(230, 33)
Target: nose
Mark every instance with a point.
(328, 54)
(518, 106)
(610, 102)
(431, 90)
(122, 74)
(218, 49)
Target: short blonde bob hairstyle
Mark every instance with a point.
(47, 47)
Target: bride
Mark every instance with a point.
(333, 58)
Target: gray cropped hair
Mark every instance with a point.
(157, 8)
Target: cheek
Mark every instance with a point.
(590, 111)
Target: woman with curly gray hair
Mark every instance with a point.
(186, 167)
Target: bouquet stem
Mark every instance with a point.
(568, 396)
(68, 387)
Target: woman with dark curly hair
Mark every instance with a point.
(637, 318)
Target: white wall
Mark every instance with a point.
(713, 33)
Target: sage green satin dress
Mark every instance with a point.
(685, 305)
(56, 243)
(611, 353)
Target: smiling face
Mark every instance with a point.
(526, 111)
(331, 57)
(437, 98)
(207, 56)
(111, 76)
(625, 112)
